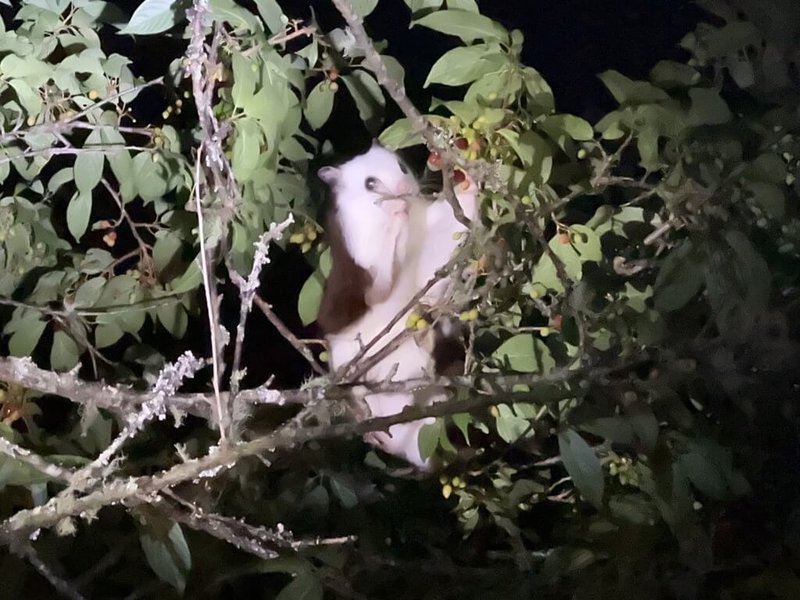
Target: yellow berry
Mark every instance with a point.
(581, 154)
(311, 234)
(323, 356)
(305, 247)
(165, 114)
(526, 200)
(473, 314)
(421, 324)
(297, 238)
(456, 481)
(447, 489)
(412, 320)
(534, 293)
(545, 331)
(494, 412)
(93, 95)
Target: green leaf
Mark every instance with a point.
(319, 104)
(428, 439)
(769, 196)
(708, 108)
(325, 262)
(363, 7)
(398, 135)
(167, 251)
(767, 167)
(96, 261)
(470, 5)
(525, 354)
(65, 352)
(462, 421)
(582, 465)
(272, 14)
(106, 335)
(509, 425)
(246, 148)
(89, 168)
(670, 74)
(166, 552)
(560, 127)
(465, 25)
(704, 470)
(679, 279)
(153, 16)
(120, 162)
(238, 17)
(538, 89)
(89, 292)
(24, 340)
(584, 242)
(150, 178)
(583, 246)
(752, 271)
(174, 318)
(645, 425)
(28, 98)
(627, 91)
(310, 298)
(306, 586)
(79, 211)
(617, 429)
(418, 5)
(394, 68)
(533, 151)
(29, 68)
(368, 97)
(343, 491)
(191, 278)
(461, 65)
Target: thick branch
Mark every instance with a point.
(546, 389)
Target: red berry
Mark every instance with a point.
(459, 175)
(461, 143)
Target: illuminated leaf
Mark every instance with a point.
(463, 24)
(582, 465)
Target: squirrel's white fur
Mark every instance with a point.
(401, 240)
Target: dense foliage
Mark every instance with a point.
(626, 423)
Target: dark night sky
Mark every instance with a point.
(568, 41)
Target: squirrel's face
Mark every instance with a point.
(374, 186)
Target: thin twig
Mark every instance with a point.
(296, 343)
(31, 459)
(61, 585)
(560, 384)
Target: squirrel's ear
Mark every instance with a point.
(329, 175)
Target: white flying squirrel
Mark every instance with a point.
(387, 242)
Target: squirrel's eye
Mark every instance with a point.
(404, 169)
(370, 183)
